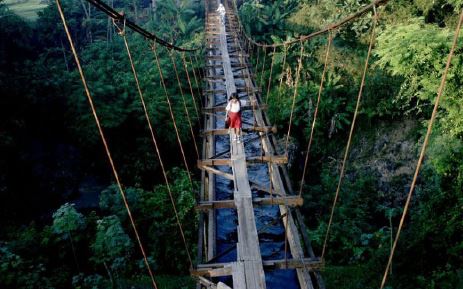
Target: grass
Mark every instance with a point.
(26, 8)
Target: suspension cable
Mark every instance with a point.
(296, 84)
(423, 148)
(185, 67)
(328, 28)
(153, 138)
(351, 132)
(187, 113)
(270, 77)
(154, 49)
(105, 144)
(328, 46)
(108, 10)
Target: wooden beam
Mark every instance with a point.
(292, 201)
(221, 77)
(279, 159)
(310, 264)
(234, 65)
(224, 131)
(240, 89)
(217, 172)
(222, 108)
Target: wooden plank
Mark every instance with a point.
(249, 160)
(210, 122)
(293, 237)
(238, 275)
(217, 172)
(208, 284)
(247, 272)
(224, 131)
(215, 77)
(222, 108)
(221, 285)
(233, 65)
(248, 250)
(291, 201)
(310, 264)
(240, 89)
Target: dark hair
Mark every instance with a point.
(235, 96)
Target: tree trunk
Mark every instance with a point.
(135, 9)
(73, 251)
(89, 30)
(153, 5)
(109, 274)
(392, 238)
(64, 55)
(110, 28)
(87, 16)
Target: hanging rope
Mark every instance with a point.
(256, 69)
(185, 67)
(198, 87)
(263, 68)
(105, 144)
(330, 39)
(423, 148)
(200, 71)
(296, 84)
(282, 72)
(270, 77)
(154, 49)
(248, 46)
(153, 138)
(187, 113)
(351, 132)
(243, 75)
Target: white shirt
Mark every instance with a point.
(234, 106)
(221, 10)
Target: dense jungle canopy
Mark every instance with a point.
(62, 223)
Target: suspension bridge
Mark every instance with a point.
(246, 201)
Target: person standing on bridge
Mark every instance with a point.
(221, 11)
(233, 114)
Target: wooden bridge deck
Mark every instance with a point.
(224, 54)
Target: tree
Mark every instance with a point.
(418, 52)
(112, 246)
(67, 220)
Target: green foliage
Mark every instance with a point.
(50, 147)
(159, 221)
(15, 272)
(180, 19)
(89, 282)
(66, 220)
(271, 18)
(401, 84)
(112, 245)
(418, 52)
(44, 104)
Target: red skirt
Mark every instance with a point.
(235, 119)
